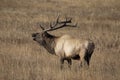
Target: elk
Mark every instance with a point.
(66, 47)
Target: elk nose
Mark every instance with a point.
(33, 35)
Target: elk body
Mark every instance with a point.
(65, 46)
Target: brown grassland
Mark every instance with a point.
(23, 59)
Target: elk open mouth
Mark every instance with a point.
(34, 39)
(33, 36)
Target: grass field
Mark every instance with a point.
(23, 59)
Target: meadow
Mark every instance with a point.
(23, 59)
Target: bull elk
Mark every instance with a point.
(65, 46)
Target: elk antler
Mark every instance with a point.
(42, 27)
(59, 24)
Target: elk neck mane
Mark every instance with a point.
(49, 42)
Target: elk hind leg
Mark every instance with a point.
(82, 60)
(88, 57)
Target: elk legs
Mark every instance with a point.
(69, 63)
(62, 62)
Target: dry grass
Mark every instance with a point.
(23, 59)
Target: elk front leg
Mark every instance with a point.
(69, 63)
(61, 63)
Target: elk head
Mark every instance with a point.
(44, 35)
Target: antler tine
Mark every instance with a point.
(66, 21)
(76, 24)
(41, 27)
(51, 25)
(57, 20)
(65, 17)
(70, 20)
(71, 25)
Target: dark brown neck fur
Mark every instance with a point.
(49, 42)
